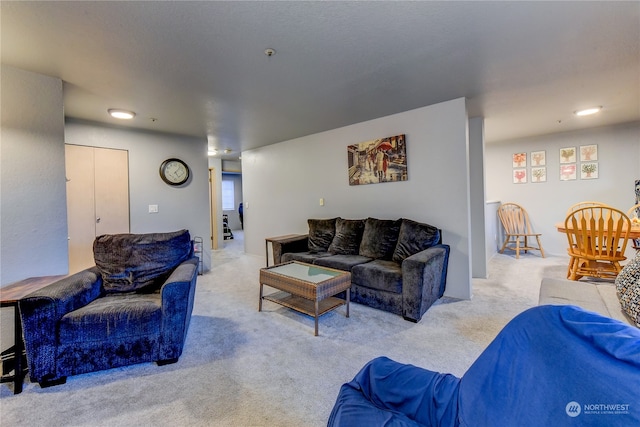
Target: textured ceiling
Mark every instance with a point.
(199, 68)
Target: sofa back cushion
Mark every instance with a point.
(131, 262)
(413, 238)
(347, 238)
(380, 238)
(321, 232)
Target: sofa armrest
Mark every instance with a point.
(178, 293)
(424, 277)
(40, 312)
(294, 244)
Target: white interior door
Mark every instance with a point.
(80, 172)
(97, 199)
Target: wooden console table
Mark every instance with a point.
(276, 244)
(14, 357)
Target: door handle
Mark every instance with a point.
(98, 220)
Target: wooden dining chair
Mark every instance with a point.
(585, 204)
(518, 230)
(634, 214)
(597, 238)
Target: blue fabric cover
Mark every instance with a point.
(72, 326)
(550, 366)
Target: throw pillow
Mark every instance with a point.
(379, 238)
(348, 236)
(628, 287)
(133, 262)
(413, 238)
(321, 232)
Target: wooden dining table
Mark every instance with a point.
(634, 233)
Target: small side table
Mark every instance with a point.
(277, 242)
(10, 295)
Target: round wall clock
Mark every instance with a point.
(174, 171)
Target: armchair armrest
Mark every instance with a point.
(177, 294)
(294, 244)
(41, 310)
(424, 277)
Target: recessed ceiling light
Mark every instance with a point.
(587, 111)
(121, 114)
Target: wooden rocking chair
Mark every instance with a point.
(517, 228)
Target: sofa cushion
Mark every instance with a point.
(628, 287)
(321, 232)
(341, 262)
(348, 236)
(379, 238)
(597, 297)
(378, 274)
(308, 257)
(113, 317)
(413, 238)
(130, 262)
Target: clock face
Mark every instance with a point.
(174, 171)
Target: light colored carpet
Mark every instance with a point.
(245, 368)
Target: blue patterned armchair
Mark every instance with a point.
(134, 306)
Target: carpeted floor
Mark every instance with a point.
(245, 368)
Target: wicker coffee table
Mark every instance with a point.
(306, 288)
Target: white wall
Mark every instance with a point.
(476, 198)
(186, 206)
(215, 164)
(33, 208)
(547, 202)
(33, 197)
(282, 183)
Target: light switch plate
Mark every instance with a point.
(153, 208)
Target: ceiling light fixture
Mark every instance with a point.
(269, 52)
(213, 151)
(121, 114)
(587, 111)
(227, 150)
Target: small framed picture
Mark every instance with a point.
(519, 176)
(519, 160)
(568, 155)
(539, 174)
(568, 172)
(538, 158)
(588, 153)
(589, 170)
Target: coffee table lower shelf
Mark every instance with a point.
(304, 305)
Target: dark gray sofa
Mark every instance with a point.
(399, 266)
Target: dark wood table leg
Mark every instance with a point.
(348, 298)
(19, 346)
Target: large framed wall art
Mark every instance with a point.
(378, 160)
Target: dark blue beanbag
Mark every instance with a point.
(550, 366)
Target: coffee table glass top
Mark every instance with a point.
(306, 272)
